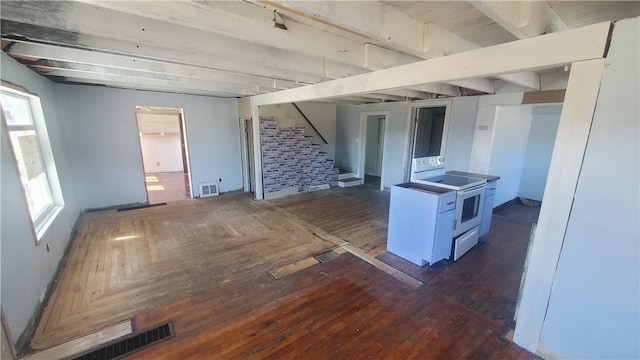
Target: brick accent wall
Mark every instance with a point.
(290, 159)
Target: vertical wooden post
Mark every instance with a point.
(564, 172)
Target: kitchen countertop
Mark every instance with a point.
(479, 176)
(425, 188)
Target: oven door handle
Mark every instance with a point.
(478, 189)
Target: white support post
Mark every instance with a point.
(257, 152)
(564, 172)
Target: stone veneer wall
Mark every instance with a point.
(290, 159)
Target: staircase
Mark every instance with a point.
(291, 163)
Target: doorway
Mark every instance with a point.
(163, 147)
(373, 127)
(374, 148)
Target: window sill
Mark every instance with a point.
(45, 223)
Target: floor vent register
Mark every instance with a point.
(130, 344)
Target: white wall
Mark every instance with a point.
(104, 145)
(485, 128)
(508, 150)
(27, 269)
(542, 137)
(348, 133)
(462, 124)
(594, 307)
(161, 153)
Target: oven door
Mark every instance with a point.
(469, 205)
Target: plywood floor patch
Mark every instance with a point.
(80, 345)
(292, 268)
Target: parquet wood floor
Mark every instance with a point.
(124, 262)
(203, 264)
(357, 214)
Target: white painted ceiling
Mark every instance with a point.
(243, 48)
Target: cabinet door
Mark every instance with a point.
(444, 236)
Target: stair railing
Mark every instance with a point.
(310, 123)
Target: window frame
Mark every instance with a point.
(414, 108)
(42, 220)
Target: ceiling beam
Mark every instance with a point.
(179, 85)
(542, 52)
(244, 21)
(80, 18)
(61, 69)
(147, 87)
(377, 58)
(522, 18)
(114, 61)
(390, 26)
(14, 30)
(397, 30)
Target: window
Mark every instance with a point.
(22, 115)
(429, 130)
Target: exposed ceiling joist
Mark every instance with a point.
(167, 84)
(34, 33)
(99, 59)
(85, 19)
(246, 47)
(522, 18)
(344, 54)
(147, 85)
(398, 31)
(562, 48)
(245, 21)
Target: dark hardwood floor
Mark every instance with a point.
(487, 278)
(343, 309)
(204, 265)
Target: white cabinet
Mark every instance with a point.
(487, 210)
(421, 220)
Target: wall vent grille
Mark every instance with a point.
(209, 189)
(318, 187)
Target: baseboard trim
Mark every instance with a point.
(505, 205)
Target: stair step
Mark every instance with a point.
(352, 181)
(346, 175)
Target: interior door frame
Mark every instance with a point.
(362, 141)
(246, 146)
(184, 148)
